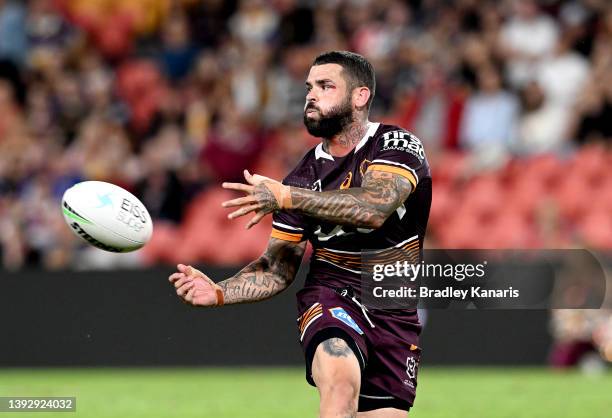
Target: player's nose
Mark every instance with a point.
(311, 97)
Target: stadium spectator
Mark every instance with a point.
(177, 54)
(541, 126)
(490, 115)
(563, 75)
(13, 37)
(526, 39)
(254, 22)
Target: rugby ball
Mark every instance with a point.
(107, 216)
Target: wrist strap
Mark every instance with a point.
(220, 296)
(281, 193)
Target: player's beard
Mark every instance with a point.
(330, 123)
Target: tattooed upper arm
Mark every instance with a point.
(270, 274)
(387, 191)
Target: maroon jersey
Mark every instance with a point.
(337, 257)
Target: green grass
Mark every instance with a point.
(283, 393)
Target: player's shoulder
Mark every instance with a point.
(387, 131)
(390, 138)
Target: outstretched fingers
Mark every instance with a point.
(244, 210)
(240, 201)
(255, 219)
(238, 187)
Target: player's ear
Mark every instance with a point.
(361, 95)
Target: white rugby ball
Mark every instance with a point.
(107, 216)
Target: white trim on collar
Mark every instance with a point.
(320, 153)
(372, 128)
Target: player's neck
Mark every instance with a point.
(341, 144)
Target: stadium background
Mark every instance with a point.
(512, 100)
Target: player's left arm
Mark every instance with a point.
(368, 206)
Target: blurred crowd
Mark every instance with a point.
(167, 98)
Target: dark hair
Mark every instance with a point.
(358, 71)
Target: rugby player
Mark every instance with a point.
(365, 186)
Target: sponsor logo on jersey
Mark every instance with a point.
(403, 141)
(340, 314)
(316, 186)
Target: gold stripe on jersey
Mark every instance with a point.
(307, 316)
(286, 236)
(410, 252)
(381, 254)
(395, 170)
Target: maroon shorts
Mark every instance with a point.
(387, 348)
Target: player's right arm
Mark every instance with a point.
(263, 278)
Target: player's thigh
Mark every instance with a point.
(335, 366)
(383, 413)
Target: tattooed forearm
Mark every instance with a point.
(268, 275)
(366, 206)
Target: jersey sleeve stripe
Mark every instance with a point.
(282, 225)
(395, 163)
(286, 236)
(395, 170)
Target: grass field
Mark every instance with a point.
(283, 393)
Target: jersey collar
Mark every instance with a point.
(320, 153)
(372, 128)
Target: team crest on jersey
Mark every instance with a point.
(412, 364)
(340, 314)
(347, 181)
(316, 186)
(403, 141)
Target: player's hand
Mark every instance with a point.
(195, 288)
(263, 196)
